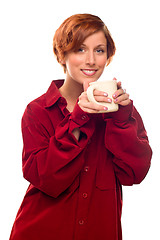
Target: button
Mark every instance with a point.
(85, 195)
(86, 168)
(61, 100)
(84, 117)
(81, 222)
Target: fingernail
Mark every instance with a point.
(109, 100)
(105, 108)
(114, 95)
(106, 94)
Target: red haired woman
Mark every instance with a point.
(75, 158)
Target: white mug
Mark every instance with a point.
(109, 87)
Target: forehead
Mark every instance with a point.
(97, 38)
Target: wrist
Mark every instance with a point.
(76, 133)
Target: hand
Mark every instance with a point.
(120, 96)
(91, 107)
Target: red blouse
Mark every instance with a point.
(75, 186)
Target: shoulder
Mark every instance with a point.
(37, 109)
(34, 111)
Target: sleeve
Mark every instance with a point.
(52, 163)
(127, 140)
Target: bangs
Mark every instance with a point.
(80, 32)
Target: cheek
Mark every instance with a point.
(102, 62)
(78, 61)
(73, 63)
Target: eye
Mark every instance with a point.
(100, 50)
(81, 49)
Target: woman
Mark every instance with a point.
(75, 158)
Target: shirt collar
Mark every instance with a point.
(53, 94)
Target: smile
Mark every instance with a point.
(89, 72)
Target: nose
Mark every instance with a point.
(90, 58)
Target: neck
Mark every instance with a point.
(71, 90)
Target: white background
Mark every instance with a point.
(27, 67)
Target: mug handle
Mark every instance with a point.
(90, 94)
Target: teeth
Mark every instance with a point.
(89, 71)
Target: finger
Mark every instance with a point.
(85, 85)
(119, 92)
(125, 103)
(100, 93)
(119, 85)
(122, 98)
(91, 107)
(83, 97)
(103, 99)
(100, 96)
(89, 110)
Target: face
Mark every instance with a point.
(88, 63)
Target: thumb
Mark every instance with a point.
(85, 85)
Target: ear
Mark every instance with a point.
(107, 63)
(63, 62)
(109, 60)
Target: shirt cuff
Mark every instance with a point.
(78, 116)
(82, 120)
(122, 115)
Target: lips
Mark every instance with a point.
(89, 72)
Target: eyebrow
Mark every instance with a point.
(100, 45)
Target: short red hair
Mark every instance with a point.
(74, 30)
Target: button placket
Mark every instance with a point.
(84, 200)
(84, 196)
